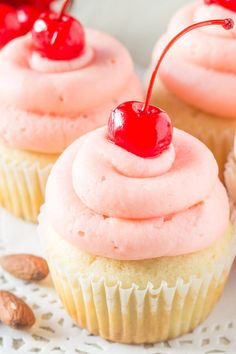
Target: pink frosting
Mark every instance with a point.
(45, 105)
(201, 68)
(115, 204)
(45, 65)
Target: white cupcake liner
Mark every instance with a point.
(22, 187)
(133, 315)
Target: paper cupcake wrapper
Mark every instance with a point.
(230, 177)
(133, 315)
(138, 316)
(22, 187)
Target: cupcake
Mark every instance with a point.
(57, 83)
(199, 80)
(137, 230)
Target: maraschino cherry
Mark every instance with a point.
(146, 130)
(26, 16)
(9, 25)
(229, 4)
(58, 36)
(42, 5)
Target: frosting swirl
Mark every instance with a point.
(203, 71)
(115, 204)
(45, 65)
(45, 105)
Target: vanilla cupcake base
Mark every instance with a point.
(23, 177)
(142, 301)
(216, 132)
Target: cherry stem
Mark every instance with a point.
(226, 24)
(63, 8)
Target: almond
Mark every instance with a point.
(25, 266)
(14, 312)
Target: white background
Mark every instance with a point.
(136, 23)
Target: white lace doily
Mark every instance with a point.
(54, 332)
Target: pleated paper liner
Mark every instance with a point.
(133, 315)
(216, 132)
(23, 177)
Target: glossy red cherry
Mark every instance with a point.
(229, 4)
(146, 133)
(42, 5)
(9, 25)
(58, 36)
(26, 16)
(140, 128)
